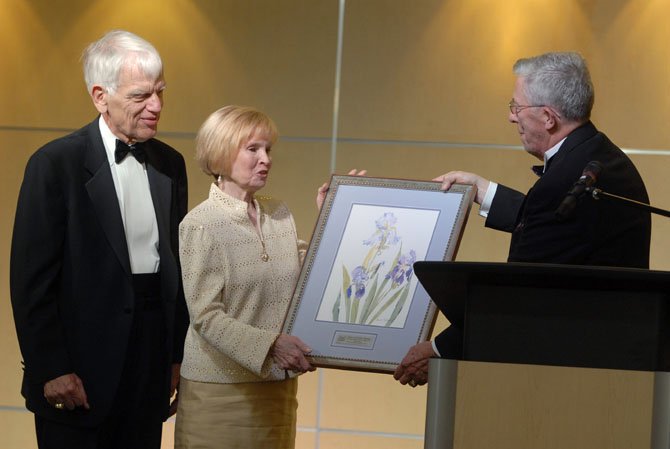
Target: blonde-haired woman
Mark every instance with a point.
(240, 259)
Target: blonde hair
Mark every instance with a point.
(224, 131)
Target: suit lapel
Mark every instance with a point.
(161, 195)
(161, 192)
(102, 193)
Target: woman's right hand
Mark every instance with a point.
(323, 190)
(289, 353)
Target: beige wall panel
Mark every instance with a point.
(339, 441)
(654, 171)
(441, 323)
(279, 56)
(17, 429)
(305, 440)
(41, 84)
(167, 441)
(371, 402)
(308, 399)
(630, 70)
(11, 372)
(532, 407)
(660, 243)
(442, 70)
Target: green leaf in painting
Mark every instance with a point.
(336, 308)
(385, 306)
(346, 282)
(369, 299)
(398, 305)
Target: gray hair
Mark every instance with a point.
(559, 80)
(104, 59)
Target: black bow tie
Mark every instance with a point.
(136, 150)
(538, 169)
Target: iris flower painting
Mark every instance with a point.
(372, 279)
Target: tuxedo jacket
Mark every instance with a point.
(600, 232)
(70, 278)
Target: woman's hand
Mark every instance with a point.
(321, 192)
(289, 353)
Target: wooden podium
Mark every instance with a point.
(560, 315)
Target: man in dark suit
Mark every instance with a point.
(95, 283)
(551, 106)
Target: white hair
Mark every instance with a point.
(104, 59)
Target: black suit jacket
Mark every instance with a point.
(601, 232)
(70, 278)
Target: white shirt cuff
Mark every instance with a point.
(488, 199)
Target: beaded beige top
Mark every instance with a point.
(238, 286)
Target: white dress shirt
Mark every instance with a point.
(491, 191)
(137, 209)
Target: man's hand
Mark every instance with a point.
(174, 385)
(461, 177)
(413, 368)
(66, 391)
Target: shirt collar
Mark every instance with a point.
(108, 139)
(551, 152)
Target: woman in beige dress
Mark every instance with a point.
(240, 259)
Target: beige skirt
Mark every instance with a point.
(245, 415)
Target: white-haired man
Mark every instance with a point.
(95, 283)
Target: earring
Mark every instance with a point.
(218, 180)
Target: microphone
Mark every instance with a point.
(589, 177)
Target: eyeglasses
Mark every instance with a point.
(516, 108)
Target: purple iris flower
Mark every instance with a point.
(402, 271)
(386, 233)
(359, 279)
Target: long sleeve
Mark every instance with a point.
(205, 269)
(505, 208)
(35, 267)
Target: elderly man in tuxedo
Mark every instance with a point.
(551, 108)
(95, 282)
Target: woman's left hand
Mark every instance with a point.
(321, 192)
(289, 353)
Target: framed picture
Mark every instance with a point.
(357, 303)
